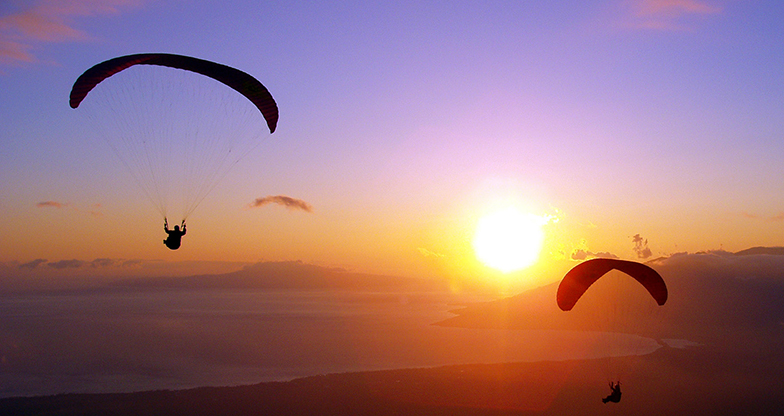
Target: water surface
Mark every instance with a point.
(131, 341)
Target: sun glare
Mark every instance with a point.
(509, 239)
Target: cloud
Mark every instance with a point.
(51, 204)
(94, 209)
(76, 264)
(641, 247)
(47, 21)
(676, 8)
(132, 263)
(775, 218)
(102, 262)
(67, 264)
(667, 15)
(95, 212)
(286, 201)
(580, 254)
(32, 264)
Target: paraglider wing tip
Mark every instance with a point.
(78, 92)
(662, 299)
(565, 308)
(269, 110)
(563, 303)
(73, 100)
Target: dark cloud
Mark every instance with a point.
(51, 204)
(32, 264)
(67, 264)
(286, 201)
(641, 247)
(75, 264)
(103, 263)
(131, 263)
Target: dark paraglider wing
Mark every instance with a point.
(582, 276)
(240, 81)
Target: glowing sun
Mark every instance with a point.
(509, 239)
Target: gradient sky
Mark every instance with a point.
(402, 123)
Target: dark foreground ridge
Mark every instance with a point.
(699, 380)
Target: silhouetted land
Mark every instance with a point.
(712, 296)
(701, 380)
(730, 304)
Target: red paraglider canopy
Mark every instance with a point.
(582, 276)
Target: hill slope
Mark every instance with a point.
(711, 294)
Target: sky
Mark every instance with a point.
(637, 128)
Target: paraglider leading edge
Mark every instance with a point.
(238, 80)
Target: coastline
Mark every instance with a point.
(542, 388)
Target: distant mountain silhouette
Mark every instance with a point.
(286, 275)
(774, 251)
(711, 295)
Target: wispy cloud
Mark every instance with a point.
(51, 204)
(286, 201)
(676, 7)
(99, 263)
(94, 210)
(667, 15)
(428, 253)
(775, 218)
(47, 21)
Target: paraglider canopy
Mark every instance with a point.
(582, 276)
(243, 83)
